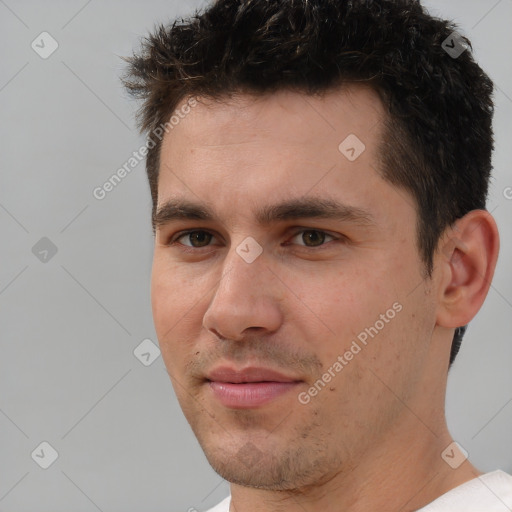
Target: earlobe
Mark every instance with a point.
(466, 260)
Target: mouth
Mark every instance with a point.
(250, 387)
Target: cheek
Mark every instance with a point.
(170, 293)
(176, 306)
(342, 304)
(363, 318)
(162, 298)
(170, 309)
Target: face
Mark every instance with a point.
(326, 288)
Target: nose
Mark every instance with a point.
(248, 296)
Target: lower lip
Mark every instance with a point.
(249, 394)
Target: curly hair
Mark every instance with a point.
(438, 138)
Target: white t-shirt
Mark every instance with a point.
(491, 492)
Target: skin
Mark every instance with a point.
(372, 438)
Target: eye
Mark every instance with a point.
(199, 238)
(313, 236)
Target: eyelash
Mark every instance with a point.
(185, 248)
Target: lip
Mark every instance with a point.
(248, 388)
(250, 374)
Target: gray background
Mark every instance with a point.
(70, 324)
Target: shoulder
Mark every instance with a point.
(491, 492)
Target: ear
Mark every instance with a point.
(466, 260)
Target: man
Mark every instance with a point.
(313, 369)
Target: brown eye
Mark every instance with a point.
(198, 238)
(313, 237)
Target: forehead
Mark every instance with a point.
(296, 117)
(241, 153)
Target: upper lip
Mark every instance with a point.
(251, 374)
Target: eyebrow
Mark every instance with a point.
(302, 208)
